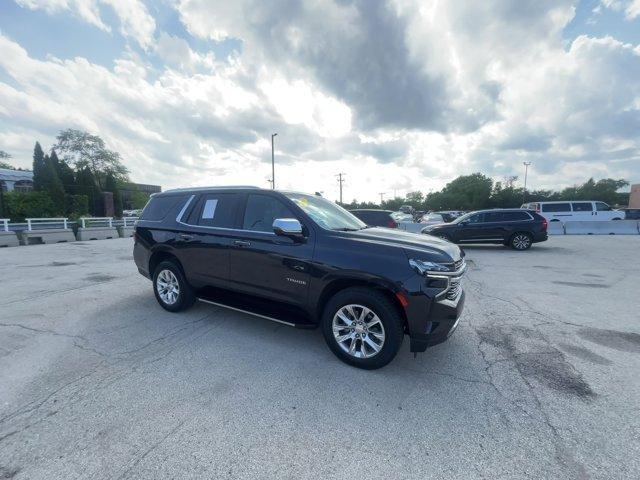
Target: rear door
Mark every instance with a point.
(559, 212)
(263, 263)
(204, 239)
(582, 211)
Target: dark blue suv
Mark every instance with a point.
(303, 261)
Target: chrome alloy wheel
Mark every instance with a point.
(358, 331)
(168, 287)
(521, 242)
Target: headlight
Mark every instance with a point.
(424, 267)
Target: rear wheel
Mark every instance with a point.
(171, 288)
(521, 241)
(362, 327)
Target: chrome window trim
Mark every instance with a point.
(184, 209)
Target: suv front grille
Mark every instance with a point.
(454, 290)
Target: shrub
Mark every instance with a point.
(76, 206)
(20, 205)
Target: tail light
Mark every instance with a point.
(393, 224)
(545, 224)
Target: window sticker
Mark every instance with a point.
(209, 208)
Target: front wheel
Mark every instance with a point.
(171, 288)
(521, 241)
(362, 327)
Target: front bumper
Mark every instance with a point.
(433, 309)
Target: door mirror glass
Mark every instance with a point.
(287, 227)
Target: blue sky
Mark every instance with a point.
(401, 95)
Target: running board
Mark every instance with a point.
(247, 312)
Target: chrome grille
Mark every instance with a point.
(454, 290)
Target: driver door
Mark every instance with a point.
(263, 263)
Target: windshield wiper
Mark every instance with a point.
(345, 229)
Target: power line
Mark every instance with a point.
(340, 181)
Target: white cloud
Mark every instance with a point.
(401, 95)
(135, 20)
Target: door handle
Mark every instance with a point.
(241, 243)
(186, 237)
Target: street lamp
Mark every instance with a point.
(524, 191)
(273, 164)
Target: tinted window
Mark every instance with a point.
(582, 207)
(158, 207)
(556, 207)
(602, 207)
(515, 216)
(477, 218)
(215, 210)
(261, 211)
(494, 217)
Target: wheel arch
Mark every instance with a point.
(339, 284)
(161, 255)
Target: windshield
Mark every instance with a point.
(326, 213)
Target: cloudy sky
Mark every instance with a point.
(399, 95)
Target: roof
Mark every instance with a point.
(206, 189)
(15, 175)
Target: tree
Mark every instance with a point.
(86, 185)
(467, 192)
(53, 186)
(112, 186)
(39, 168)
(3, 156)
(84, 150)
(415, 199)
(64, 172)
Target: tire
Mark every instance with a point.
(616, 219)
(521, 241)
(169, 273)
(382, 324)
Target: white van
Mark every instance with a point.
(574, 210)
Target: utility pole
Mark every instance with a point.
(273, 163)
(524, 191)
(381, 197)
(340, 181)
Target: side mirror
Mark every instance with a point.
(288, 227)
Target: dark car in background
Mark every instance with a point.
(631, 213)
(516, 228)
(302, 261)
(376, 218)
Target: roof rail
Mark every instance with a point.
(221, 187)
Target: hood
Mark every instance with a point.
(412, 243)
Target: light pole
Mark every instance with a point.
(381, 198)
(524, 191)
(341, 181)
(273, 163)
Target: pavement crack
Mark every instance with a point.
(153, 447)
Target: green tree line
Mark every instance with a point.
(70, 179)
(477, 191)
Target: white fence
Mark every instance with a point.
(39, 223)
(92, 221)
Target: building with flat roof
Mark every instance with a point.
(18, 180)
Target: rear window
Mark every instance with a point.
(158, 207)
(556, 207)
(582, 207)
(215, 210)
(515, 216)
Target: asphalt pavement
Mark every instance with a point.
(539, 381)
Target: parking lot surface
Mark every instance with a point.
(539, 381)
